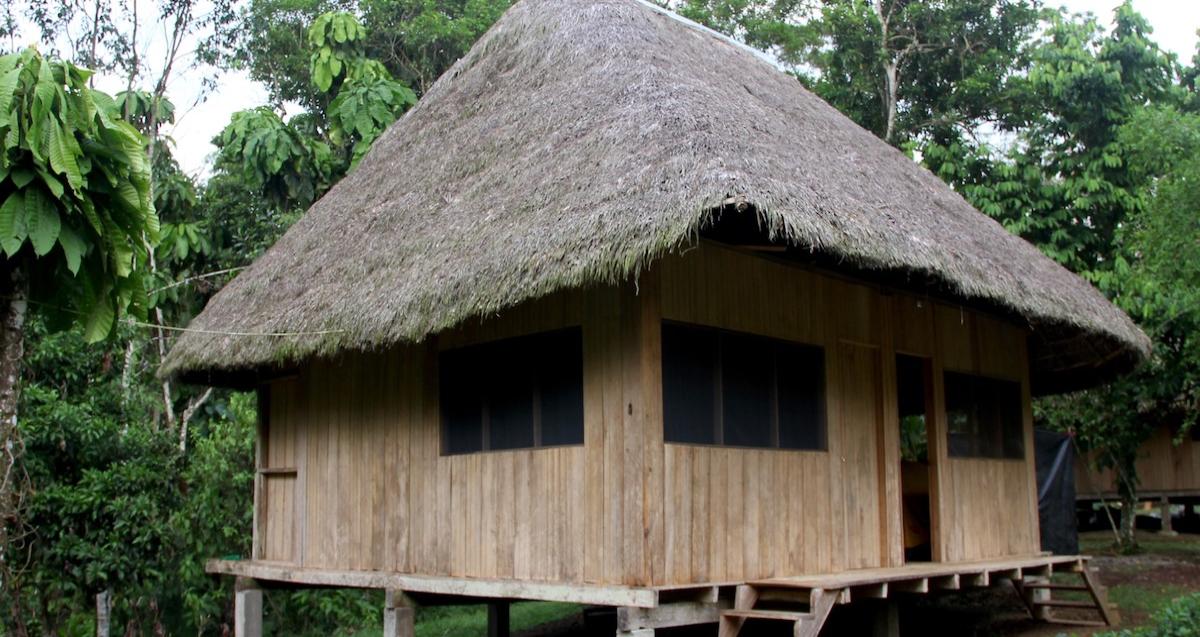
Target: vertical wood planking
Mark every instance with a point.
(373, 491)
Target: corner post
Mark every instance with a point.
(247, 608)
(398, 615)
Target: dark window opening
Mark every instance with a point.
(518, 393)
(726, 388)
(984, 418)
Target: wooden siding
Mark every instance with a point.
(1163, 467)
(371, 490)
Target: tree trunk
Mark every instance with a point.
(14, 290)
(1128, 517)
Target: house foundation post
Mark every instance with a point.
(1165, 511)
(887, 619)
(398, 615)
(247, 608)
(498, 619)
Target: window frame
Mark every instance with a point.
(718, 362)
(1019, 383)
(537, 381)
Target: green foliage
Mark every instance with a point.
(140, 108)
(294, 162)
(950, 59)
(364, 108)
(273, 158)
(337, 40)
(76, 187)
(415, 40)
(1180, 618)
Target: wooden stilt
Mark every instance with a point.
(498, 619)
(398, 615)
(247, 609)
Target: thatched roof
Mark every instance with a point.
(578, 141)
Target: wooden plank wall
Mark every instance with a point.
(1163, 467)
(987, 507)
(378, 494)
(373, 492)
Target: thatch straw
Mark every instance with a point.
(575, 143)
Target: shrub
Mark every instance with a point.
(1180, 618)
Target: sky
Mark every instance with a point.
(202, 114)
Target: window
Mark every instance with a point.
(984, 417)
(724, 388)
(517, 393)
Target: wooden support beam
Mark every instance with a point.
(247, 608)
(946, 582)
(977, 579)
(398, 614)
(744, 599)
(870, 591)
(1007, 573)
(595, 594)
(498, 619)
(819, 608)
(670, 615)
(919, 585)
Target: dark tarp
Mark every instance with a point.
(1055, 458)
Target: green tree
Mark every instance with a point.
(901, 69)
(75, 222)
(294, 162)
(415, 40)
(1065, 185)
(1153, 278)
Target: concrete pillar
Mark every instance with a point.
(398, 615)
(498, 619)
(887, 619)
(638, 632)
(247, 608)
(1165, 511)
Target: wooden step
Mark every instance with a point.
(1076, 622)
(777, 615)
(1065, 603)
(1057, 587)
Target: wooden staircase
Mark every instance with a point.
(808, 608)
(807, 601)
(1038, 596)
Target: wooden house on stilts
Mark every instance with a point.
(621, 314)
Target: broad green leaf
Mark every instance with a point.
(13, 228)
(73, 248)
(43, 221)
(100, 317)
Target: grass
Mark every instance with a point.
(1101, 543)
(456, 621)
(1144, 599)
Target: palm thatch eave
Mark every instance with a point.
(577, 142)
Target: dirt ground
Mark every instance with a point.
(1139, 585)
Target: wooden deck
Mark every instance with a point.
(808, 599)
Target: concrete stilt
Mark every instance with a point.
(247, 608)
(887, 619)
(398, 615)
(1165, 508)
